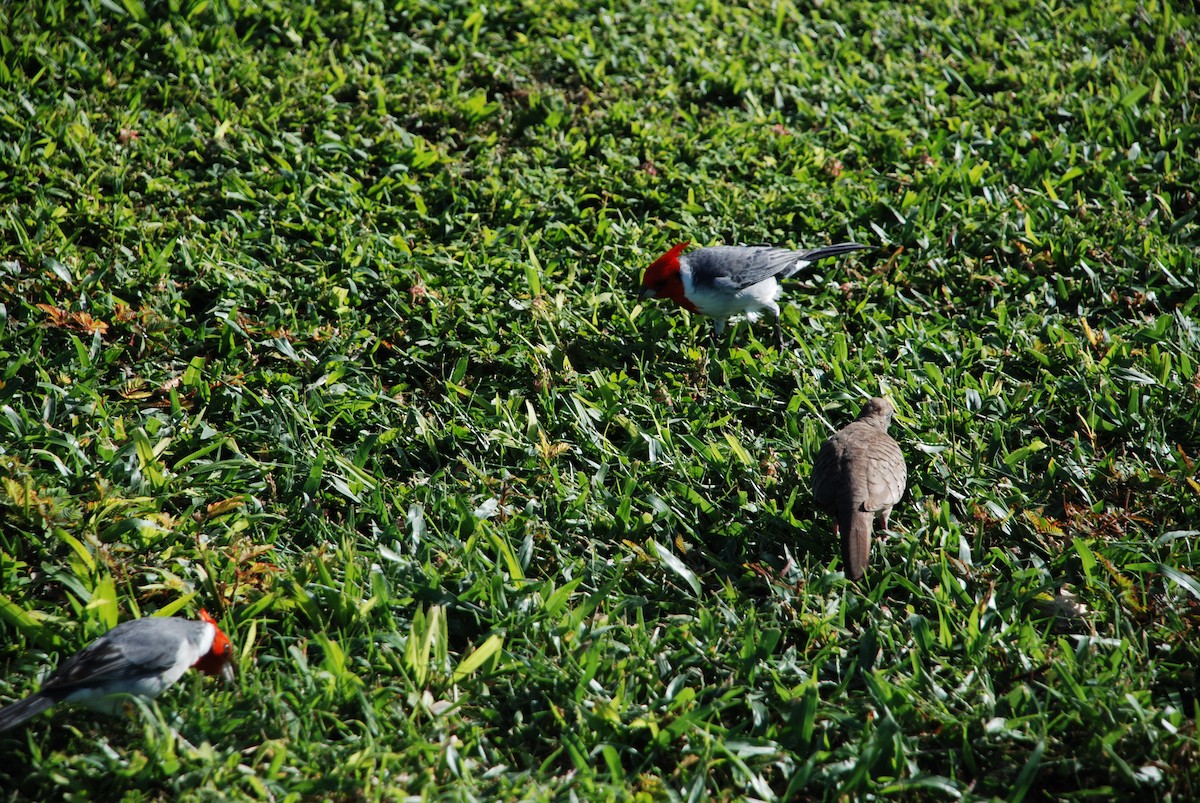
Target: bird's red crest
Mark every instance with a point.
(664, 267)
(213, 662)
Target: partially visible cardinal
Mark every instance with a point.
(141, 657)
(727, 280)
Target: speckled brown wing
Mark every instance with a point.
(887, 476)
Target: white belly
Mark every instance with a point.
(748, 301)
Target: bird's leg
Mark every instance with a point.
(884, 516)
(779, 341)
(701, 370)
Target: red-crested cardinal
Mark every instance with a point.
(141, 657)
(727, 280)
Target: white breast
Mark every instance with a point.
(748, 301)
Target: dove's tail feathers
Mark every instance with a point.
(856, 542)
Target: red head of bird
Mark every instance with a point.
(662, 279)
(216, 660)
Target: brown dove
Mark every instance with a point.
(860, 474)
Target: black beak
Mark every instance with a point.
(644, 293)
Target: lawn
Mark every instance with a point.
(322, 318)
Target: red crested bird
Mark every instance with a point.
(141, 657)
(727, 280)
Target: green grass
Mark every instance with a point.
(339, 344)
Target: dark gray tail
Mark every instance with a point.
(18, 712)
(825, 251)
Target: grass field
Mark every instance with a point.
(321, 318)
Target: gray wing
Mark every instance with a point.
(732, 268)
(131, 650)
